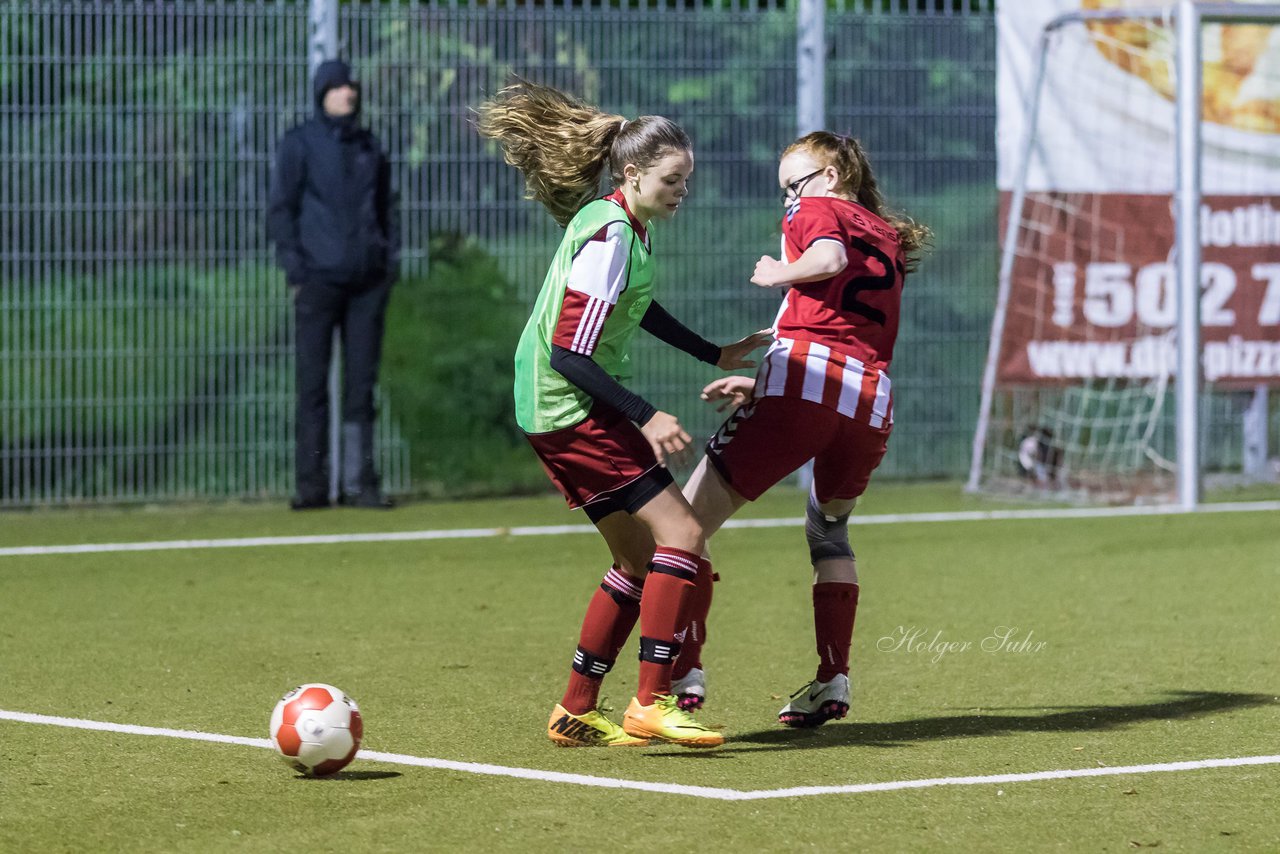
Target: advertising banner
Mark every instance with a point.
(1093, 291)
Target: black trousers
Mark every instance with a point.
(360, 317)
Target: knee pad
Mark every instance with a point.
(828, 537)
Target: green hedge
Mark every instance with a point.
(447, 372)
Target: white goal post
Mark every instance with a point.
(1127, 408)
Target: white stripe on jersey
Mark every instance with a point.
(882, 410)
(601, 314)
(588, 331)
(599, 270)
(850, 388)
(815, 372)
(851, 394)
(773, 368)
(777, 364)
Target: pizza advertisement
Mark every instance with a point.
(1093, 290)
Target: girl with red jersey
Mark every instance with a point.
(603, 446)
(822, 393)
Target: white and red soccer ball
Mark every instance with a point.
(317, 729)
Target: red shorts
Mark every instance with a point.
(604, 459)
(770, 437)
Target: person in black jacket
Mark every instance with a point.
(333, 219)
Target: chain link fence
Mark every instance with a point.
(145, 334)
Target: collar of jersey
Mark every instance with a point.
(618, 199)
(834, 201)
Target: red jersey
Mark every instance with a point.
(836, 335)
(856, 311)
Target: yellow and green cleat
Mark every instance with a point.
(591, 729)
(666, 721)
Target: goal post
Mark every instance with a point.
(1106, 194)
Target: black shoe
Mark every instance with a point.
(370, 499)
(299, 503)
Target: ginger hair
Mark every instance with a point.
(858, 182)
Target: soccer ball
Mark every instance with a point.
(317, 729)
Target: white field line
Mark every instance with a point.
(551, 530)
(662, 788)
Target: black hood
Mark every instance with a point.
(331, 74)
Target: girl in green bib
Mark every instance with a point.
(602, 445)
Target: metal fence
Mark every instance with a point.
(145, 338)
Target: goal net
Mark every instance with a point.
(1078, 397)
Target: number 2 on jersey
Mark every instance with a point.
(893, 272)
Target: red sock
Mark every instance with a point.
(611, 616)
(668, 585)
(697, 606)
(834, 607)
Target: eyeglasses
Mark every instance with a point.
(792, 190)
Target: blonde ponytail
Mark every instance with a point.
(563, 145)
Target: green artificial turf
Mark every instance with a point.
(1147, 640)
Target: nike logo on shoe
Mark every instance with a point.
(571, 728)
